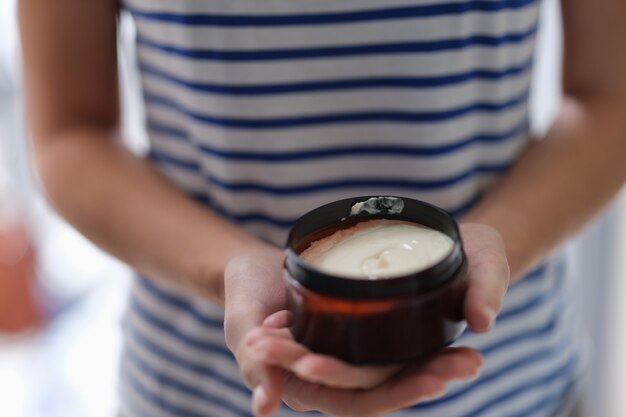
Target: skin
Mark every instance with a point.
(559, 184)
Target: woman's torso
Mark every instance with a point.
(264, 109)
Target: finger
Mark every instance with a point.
(267, 396)
(279, 319)
(259, 333)
(426, 383)
(455, 363)
(334, 372)
(277, 350)
(305, 396)
(402, 390)
(407, 391)
(321, 369)
(488, 280)
(253, 370)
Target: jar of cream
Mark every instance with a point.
(376, 279)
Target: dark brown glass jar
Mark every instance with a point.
(380, 321)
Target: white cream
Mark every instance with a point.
(379, 249)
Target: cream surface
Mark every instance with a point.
(378, 249)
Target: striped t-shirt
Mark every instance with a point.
(264, 109)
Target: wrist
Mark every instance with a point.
(205, 269)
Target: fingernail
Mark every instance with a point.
(259, 400)
(472, 376)
(435, 395)
(490, 314)
(303, 370)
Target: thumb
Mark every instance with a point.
(487, 276)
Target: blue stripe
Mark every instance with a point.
(183, 304)
(305, 188)
(345, 84)
(459, 211)
(389, 13)
(130, 406)
(511, 367)
(201, 198)
(171, 329)
(535, 384)
(551, 401)
(532, 276)
(538, 332)
(171, 383)
(391, 48)
(346, 151)
(205, 371)
(533, 303)
(167, 159)
(171, 131)
(336, 118)
(388, 183)
(160, 401)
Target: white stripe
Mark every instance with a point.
(518, 295)
(136, 405)
(209, 385)
(339, 67)
(532, 396)
(363, 166)
(426, 134)
(177, 398)
(515, 326)
(206, 308)
(182, 320)
(177, 148)
(313, 36)
(433, 167)
(486, 393)
(344, 134)
(189, 181)
(171, 344)
(296, 205)
(498, 360)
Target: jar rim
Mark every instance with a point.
(340, 215)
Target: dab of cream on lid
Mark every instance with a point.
(378, 249)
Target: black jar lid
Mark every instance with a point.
(340, 214)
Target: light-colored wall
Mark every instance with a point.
(598, 254)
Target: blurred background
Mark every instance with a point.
(61, 298)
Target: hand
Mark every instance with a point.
(276, 367)
(323, 383)
(487, 274)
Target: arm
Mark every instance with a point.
(565, 179)
(114, 198)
